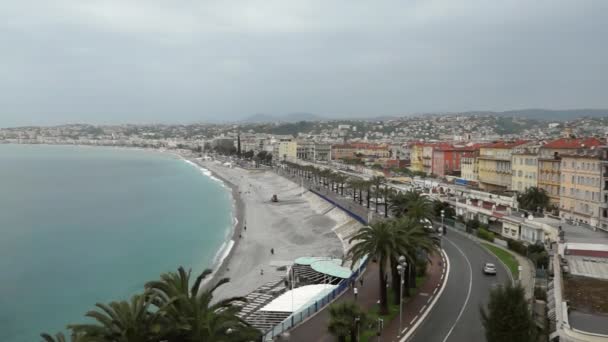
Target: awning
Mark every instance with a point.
(331, 268)
(294, 300)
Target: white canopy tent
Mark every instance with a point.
(292, 301)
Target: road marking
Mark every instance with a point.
(415, 326)
(468, 293)
(422, 309)
(413, 319)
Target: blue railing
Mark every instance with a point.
(316, 306)
(350, 213)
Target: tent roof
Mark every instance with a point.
(298, 298)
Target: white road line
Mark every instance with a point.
(415, 326)
(422, 309)
(413, 319)
(468, 293)
(435, 290)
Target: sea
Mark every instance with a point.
(81, 225)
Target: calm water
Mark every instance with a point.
(80, 225)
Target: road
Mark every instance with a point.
(456, 315)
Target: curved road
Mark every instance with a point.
(456, 315)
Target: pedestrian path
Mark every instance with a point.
(315, 329)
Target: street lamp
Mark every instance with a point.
(357, 322)
(401, 268)
(442, 216)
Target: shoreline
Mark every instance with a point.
(238, 215)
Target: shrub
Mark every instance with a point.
(517, 247)
(540, 293)
(485, 234)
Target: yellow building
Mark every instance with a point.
(495, 165)
(469, 167)
(416, 158)
(549, 162)
(524, 170)
(285, 149)
(581, 190)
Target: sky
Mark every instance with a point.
(182, 61)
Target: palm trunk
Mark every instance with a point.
(353, 333)
(360, 196)
(412, 275)
(383, 301)
(342, 189)
(385, 206)
(377, 197)
(368, 198)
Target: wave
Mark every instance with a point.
(205, 172)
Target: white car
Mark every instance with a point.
(489, 268)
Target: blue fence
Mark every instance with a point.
(316, 306)
(350, 213)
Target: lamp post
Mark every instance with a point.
(357, 322)
(401, 268)
(442, 216)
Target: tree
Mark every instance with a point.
(189, 314)
(377, 182)
(345, 319)
(60, 337)
(448, 211)
(377, 241)
(123, 321)
(413, 238)
(412, 204)
(508, 317)
(533, 199)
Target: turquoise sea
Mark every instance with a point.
(80, 225)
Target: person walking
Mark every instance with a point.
(356, 292)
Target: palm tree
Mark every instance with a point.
(123, 321)
(60, 337)
(420, 209)
(377, 182)
(377, 241)
(190, 315)
(533, 199)
(413, 237)
(340, 180)
(346, 319)
(354, 184)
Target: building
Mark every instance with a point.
(469, 167)
(312, 151)
(447, 160)
(416, 157)
(285, 149)
(580, 197)
(549, 162)
(427, 158)
(359, 150)
(524, 170)
(495, 165)
(604, 190)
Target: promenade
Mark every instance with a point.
(315, 328)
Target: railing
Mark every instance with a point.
(301, 315)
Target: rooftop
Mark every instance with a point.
(572, 143)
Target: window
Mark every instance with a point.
(519, 173)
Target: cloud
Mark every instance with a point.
(142, 61)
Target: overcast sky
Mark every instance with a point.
(116, 61)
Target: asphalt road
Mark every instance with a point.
(456, 315)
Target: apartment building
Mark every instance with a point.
(312, 151)
(285, 149)
(447, 160)
(581, 190)
(549, 162)
(604, 189)
(416, 157)
(495, 165)
(469, 167)
(427, 158)
(524, 170)
(347, 151)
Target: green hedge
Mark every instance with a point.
(517, 247)
(485, 234)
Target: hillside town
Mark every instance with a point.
(533, 182)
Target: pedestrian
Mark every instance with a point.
(245, 227)
(272, 251)
(356, 292)
(240, 236)
(361, 281)
(262, 272)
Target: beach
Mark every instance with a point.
(295, 226)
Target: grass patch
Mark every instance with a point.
(505, 257)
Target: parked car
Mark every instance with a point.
(489, 268)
